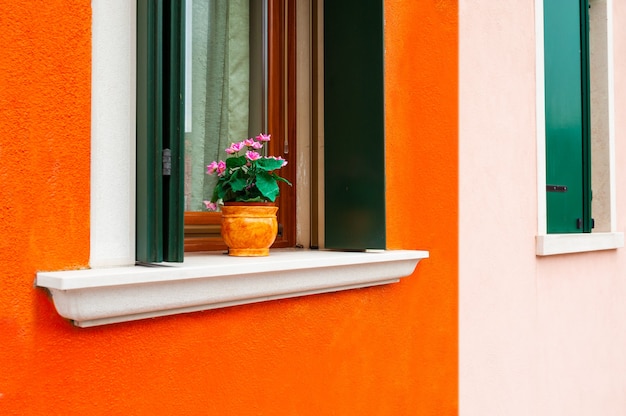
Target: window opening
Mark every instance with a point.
(240, 57)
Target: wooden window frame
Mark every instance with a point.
(202, 229)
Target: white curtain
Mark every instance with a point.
(220, 85)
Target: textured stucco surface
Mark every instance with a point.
(421, 83)
(44, 197)
(385, 351)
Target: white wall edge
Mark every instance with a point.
(213, 280)
(551, 244)
(542, 221)
(112, 241)
(611, 80)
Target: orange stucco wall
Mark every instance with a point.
(421, 83)
(389, 350)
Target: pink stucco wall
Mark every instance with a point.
(538, 335)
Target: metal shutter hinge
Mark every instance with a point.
(167, 162)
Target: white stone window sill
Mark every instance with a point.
(550, 244)
(213, 280)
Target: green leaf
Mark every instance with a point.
(236, 182)
(269, 164)
(235, 162)
(248, 199)
(280, 178)
(220, 192)
(267, 185)
(216, 193)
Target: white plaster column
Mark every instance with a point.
(113, 133)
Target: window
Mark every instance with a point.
(105, 294)
(238, 65)
(574, 130)
(352, 215)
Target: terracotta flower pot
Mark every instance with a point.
(249, 229)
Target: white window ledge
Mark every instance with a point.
(550, 244)
(207, 281)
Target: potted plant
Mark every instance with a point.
(247, 186)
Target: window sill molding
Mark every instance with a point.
(551, 244)
(213, 280)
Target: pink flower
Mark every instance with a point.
(252, 155)
(253, 144)
(214, 167)
(210, 205)
(263, 137)
(221, 168)
(235, 148)
(278, 158)
(211, 168)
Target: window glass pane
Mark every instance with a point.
(224, 86)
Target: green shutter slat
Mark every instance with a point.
(173, 185)
(586, 116)
(567, 118)
(159, 220)
(149, 237)
(354, 159)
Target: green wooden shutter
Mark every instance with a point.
(354, 159)
(567, 116)
(160, 48)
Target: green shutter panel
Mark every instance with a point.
(567, 116)
(174, 183)
(159, 216)
(354, 159)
